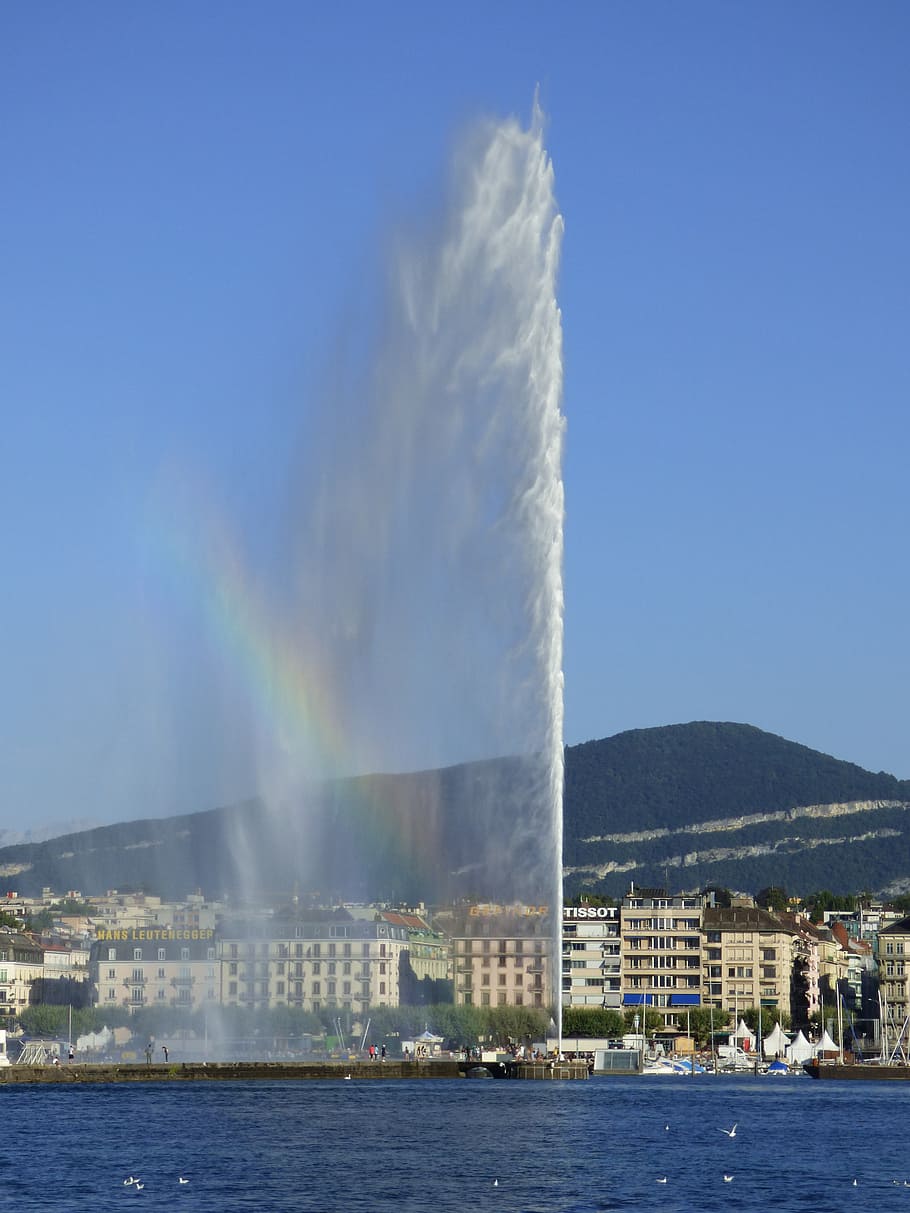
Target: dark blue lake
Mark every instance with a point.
(440, 1145)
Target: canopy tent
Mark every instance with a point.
(826, 1044)
(775, 1042)
(800, 1050)
(744, 1033)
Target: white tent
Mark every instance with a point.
(775, 1042)
(744, 1033)
(800, 1050)
(826, 1044)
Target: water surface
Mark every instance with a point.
(508, 1147)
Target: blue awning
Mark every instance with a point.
(685, 1000)
(638, 1000)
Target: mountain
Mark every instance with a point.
(693, 804)
(681, 806)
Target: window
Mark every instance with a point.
(111, 954)
(184, 953)
(317, 988)
(137, 953)
(161, 974)
(161, 953)
(111, 974)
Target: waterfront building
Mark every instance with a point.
(336, 962)
(21, 963)
(503, 955)
(136, 967)
(661, 951)
(591, 965)
(747, 959)
(429, 951)
(805, 966)
(893, 955)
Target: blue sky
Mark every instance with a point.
(196, 203)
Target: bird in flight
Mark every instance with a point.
(730, 1132)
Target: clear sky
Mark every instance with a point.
(194, 203)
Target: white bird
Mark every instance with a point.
(139, 1186)
(347, 1078)
(181, 1180)
(730, 1132)
(728, 1179)
(132, 1180)
(666, 1126)
(662, 1181)
(854, 1183)
(495, 1183)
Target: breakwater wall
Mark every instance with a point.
(227, 1071)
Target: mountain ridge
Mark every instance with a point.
(703, 802)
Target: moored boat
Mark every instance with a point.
(882, 1071)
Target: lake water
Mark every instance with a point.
(440, 1145)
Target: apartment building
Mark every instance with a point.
(21, 963)
(591, 967)
(136, 967)
(503, 956)
(747, 959)
(661, 952)
(286, 960)
(893, 955)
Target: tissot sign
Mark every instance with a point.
(571, 913)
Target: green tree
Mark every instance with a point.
(653, 1021)
(773, 898)
(700, 1020)
(592, 1021)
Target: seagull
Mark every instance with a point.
(662, 1181)
(728, 1179)
(730, 1132)
(347, 1078)
(854, 1183)
(139, 1186)
(133, 1180)
(667, 1127)
(181, 1180)
(495, 1183)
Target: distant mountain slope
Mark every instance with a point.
(682, 805)
(707, 802)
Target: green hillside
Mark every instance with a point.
(706, 802)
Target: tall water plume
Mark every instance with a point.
(426, 628)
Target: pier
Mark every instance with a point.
(282, 1071)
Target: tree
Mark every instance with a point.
(772, 898)
(700, 1021)
(652, 1023)
(592, 1021)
